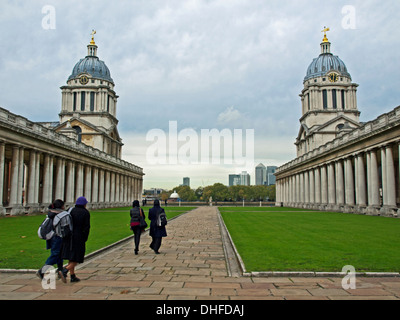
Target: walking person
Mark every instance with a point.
(136, 214)
(54, 244)
(156, 232)
(74, 246)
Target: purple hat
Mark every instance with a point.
(81, 201)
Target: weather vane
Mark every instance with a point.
(93, 33)
(325, 31)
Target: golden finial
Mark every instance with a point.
(325, 31)
(93, 33)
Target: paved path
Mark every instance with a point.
(192, 265)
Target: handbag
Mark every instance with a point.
(143, 223)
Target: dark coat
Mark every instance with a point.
(155, 230)
(74, 247)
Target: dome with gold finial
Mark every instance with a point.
(326, 62)
(91, 65)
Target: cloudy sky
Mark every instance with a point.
(194, 65)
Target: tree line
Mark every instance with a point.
(220, 192)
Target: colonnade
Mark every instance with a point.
(31, 179)
(365, 181)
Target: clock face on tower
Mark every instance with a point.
(84, 80)
(333, 77)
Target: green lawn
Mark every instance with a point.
(282, 239)
(21, 248)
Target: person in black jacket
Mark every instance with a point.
(156, 232)
(74, 247)
(54, 244)
(135, 213)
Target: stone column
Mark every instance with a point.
(48, 172)
(384, 175)
(373, 185)
(2, 167)
(33, 182)
(70, 185)
(95, 188)
(16, 182)
(331, 186)
(107, 188)
(301, 190)
(117, 188)
(101, 188)
(312, 187)
(60, 179)
(349, 185)
(389, 183)
(306, 189)
(112, 189)
(339, 184)
(79, 181)
(361, 184)
(88, 184)
(324, 188)
(317, 177)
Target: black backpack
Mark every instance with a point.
(135, 214)
(162, 219)
(46, 229)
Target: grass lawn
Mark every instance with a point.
(21, 248)
(283, 239)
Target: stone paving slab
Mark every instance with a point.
(195, 262)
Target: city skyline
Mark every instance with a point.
(241, 68)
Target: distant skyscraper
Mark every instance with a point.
(261, 174)
(186, 181)
(244, 178)
(234, 180)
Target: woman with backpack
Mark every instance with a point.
(157, 229)
(53, 244)
(74, 247)
(137, 215)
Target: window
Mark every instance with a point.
(92, 101)
(83, 100)
(325, 99)
(343, 100)
(78, 131)
(74, 102)
(334, 99)
(108, 103)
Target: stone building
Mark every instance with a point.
(342, 164)
(78, 156)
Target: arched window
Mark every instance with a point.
(78, 131)
(339, 127)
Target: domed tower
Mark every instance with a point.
(89, 104)
(329, 101)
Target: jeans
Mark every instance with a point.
(54, 244)
(137, 231)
